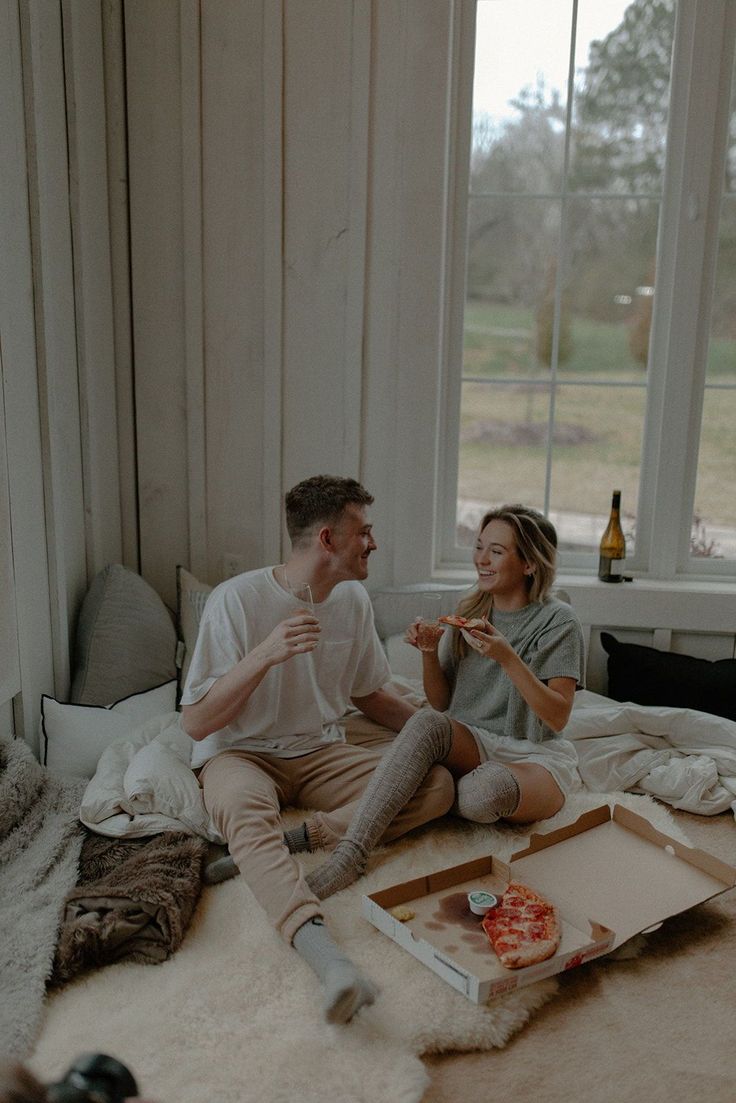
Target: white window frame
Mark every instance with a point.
(703, 56)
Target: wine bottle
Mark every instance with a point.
(613, 545)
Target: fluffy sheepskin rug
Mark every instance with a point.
(235, 1015)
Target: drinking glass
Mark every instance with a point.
(302, 592)
(429, 629)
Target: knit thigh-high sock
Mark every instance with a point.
(425, 739)
(487, 793)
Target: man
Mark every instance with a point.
(267, 686)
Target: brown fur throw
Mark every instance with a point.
(133, 901)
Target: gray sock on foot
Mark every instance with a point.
(487, 794)
(297, 839)
(346, 989)
(222, 869)
(425, 739)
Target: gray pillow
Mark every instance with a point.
(125, 639)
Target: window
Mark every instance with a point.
(714, 513)
(571, 378)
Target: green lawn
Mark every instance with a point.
(501, 340)
(599, 430)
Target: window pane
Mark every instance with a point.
(714, 515)
(721, 367)
(596, 448)
(503, 449)
(512, 245)
(606, 308)
(713, 532)
(621, 97)
(519, 94)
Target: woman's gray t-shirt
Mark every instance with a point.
(547, 636)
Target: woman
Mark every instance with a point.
(499, 694)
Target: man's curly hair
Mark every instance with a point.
(321, 500)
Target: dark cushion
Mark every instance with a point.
(651, 677)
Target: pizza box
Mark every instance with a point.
(610, 874)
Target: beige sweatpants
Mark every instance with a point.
(245, 792)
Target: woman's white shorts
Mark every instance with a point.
(558, 756)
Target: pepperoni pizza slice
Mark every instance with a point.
(523, 929)
(462, 622)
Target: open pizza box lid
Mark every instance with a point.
(610, 874)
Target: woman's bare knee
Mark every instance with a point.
(541, 796)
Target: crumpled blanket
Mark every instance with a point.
(133, 901)
(683, 757)
(143, 785)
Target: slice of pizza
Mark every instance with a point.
(524, 928)
(462, 622)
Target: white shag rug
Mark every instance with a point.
(235, 1015)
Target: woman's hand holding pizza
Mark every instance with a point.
(490, 642)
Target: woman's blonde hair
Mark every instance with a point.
(535, 540)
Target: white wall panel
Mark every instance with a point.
(9, 657)
(56, 340)
(87, 126)
(326, 57)
(233, 246)
(113, 45)
(153, 64)
(23, 438)
(411, 98)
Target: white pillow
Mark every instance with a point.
(74, 736)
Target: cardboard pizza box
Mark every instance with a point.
(610, 874)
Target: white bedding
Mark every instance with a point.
(683, 757)
(143, 784)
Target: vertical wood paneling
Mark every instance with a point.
(6, 721)
(273, 281)
(9, 657)
(191, 136)
(411, 97)
(424, 129)
(326, 58)
(56, 350)
(233, 257)
(381, 424)
(23, 439)
(153, 63)
(117, 180)
(86, 123)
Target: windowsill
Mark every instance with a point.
(678, 584)
(681, 605)
(575, 581)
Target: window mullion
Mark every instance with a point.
(686, 238)
(459, 174)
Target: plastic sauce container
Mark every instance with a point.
(481, 901)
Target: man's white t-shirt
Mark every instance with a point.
(298, 705)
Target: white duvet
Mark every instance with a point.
(681, 756)
(143, 784)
